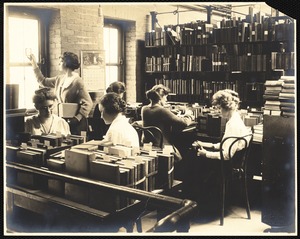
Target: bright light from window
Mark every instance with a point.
(111, 74)
(23, 33)
(111, 45)
(25, 78)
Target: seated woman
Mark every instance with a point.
(120, 131)
(97, 123)
(155, 114)
(46, 122)
(201, 172)
(228, 102)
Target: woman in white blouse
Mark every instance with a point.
(120, 131)
(46, 122)
(200, 181)
(228, 102)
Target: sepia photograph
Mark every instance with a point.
(149, 119)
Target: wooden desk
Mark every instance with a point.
(42, 202)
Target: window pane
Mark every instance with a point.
(26, 79)
(111, 74)
(23, 33)
(111, 45)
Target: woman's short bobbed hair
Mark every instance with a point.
(70, 60)
(112, 103)
(161, 90)
(42, 95)
(117, 87)
(227, 99)
(153, 95)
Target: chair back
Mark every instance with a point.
(149, 134)
(237, 165)
(238, 159)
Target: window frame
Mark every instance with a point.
(43, 16)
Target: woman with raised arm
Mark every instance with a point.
(69, 88)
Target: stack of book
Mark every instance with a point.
(271, 97)
(252, 118)
(258, 133)
(287, 96)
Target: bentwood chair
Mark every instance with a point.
(150, 134)
(235, 168)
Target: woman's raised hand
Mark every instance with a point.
(32, 59)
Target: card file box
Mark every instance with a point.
(67, 110)
(78, 161)
(56, 165)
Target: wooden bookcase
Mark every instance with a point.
(239, 55)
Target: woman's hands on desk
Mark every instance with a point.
(189, 114)
(201, 152)
(198, 146)
(203, 144)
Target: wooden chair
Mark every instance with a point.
(237, 166)
(150, 134)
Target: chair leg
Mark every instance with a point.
(139, 225)
(222, 203)
(246, 197)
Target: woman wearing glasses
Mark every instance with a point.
(45, 122)
(68, 88)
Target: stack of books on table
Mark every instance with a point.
(271, 97)
(258, 133)
(287, 96)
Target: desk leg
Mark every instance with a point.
(184, 226)
(129, 226)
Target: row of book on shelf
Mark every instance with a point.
(248, 91)
(230, 31)
(218, 62)
(146, 169)
(192, 86)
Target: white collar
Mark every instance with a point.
(67, 81)
(119, 117)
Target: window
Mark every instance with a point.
(23, 37)
(113, 53)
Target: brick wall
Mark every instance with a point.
(135, 19)
(74, 28)
(80, 27)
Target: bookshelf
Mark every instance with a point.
(240, 54)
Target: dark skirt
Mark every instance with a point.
(202, 181)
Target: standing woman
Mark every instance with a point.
(69, 88)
